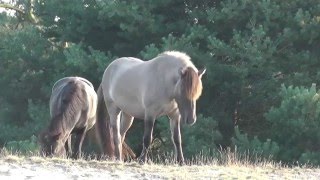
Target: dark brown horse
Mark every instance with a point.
(73, 105)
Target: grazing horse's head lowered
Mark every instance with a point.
(188, 90)
(52, 144)
(73, 105)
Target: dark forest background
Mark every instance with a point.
(262, 58)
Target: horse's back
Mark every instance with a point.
(123, 65)
(66, 87)
(65, 80)
(121, 70)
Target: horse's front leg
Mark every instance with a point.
(147, 138)
(176, 135)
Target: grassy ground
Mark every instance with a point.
(35, 167)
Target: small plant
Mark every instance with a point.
(254, 147)
(29, 146)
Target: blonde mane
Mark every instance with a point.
(191, 84)
(177, 54)
(183, 57)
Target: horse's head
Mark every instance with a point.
(188, 89)
(51, 144)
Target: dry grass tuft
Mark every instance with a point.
(228, 165)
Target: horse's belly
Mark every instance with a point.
(128, 98)
(132, 110)
(137, 110)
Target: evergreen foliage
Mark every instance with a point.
(250, 48)
(295, 124)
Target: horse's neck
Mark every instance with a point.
(162, 76)
(166, 69)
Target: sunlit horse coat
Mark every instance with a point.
(168, 85)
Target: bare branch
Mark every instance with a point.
(11, 7)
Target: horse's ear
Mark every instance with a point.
(182, 71)
(201, 72)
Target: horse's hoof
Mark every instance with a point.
(181, 162)
(141, 161)
(118, 161)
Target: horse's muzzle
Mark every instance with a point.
(190, 120)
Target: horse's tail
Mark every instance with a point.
(104, 132)
(71, 105)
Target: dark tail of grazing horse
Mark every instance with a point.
(104, 132)
(72, 102)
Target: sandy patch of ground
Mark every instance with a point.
(16, 168)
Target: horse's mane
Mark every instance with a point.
(72, 102)
(191, 84)
(178, 55)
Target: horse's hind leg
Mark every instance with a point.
(80, 134)
(176, 135)
(126, 122)
(147, 138)
(114, 114)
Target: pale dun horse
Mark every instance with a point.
(167, 85)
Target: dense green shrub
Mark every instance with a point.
(26, 147)
(295, 124)
(39, 114)
(254, 148)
